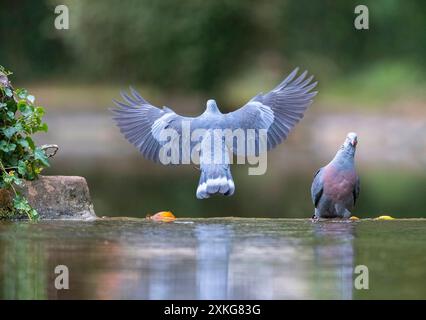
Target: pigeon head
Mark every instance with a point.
(351, 140)
(349, 146)
(211, 106)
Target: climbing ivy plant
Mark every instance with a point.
(20, 158)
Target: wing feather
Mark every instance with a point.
(277, 111)
(317, 187)
(356, 190)
(140, 122)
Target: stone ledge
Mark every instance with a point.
(56, 197)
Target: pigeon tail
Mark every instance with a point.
(214, 164)
(215, 179)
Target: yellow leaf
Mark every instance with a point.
(163, 216)
(354, 218)
(384, 218)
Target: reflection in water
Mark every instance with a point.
(216, 259)
(22, 265)
(159, 283)
(213, 251)
(205, 258)
(168, 275)
(334, 253)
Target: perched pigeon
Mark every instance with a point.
(276, 112)
(335, 188)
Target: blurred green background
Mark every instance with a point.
(180, 53)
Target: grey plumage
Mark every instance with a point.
(276, 111)
(336, 186)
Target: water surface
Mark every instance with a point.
(226, 258)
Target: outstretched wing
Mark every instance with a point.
(277, 111)
(317, 187)
(142, 123)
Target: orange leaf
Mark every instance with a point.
(163, 216)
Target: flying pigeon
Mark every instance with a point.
(335, 188)
(275, 112)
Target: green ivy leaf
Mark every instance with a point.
(43, 127)
(18, 181)
(30, 142)
(10, 115)
(25, 109)
(22, 167)
(21, 204)
(40, 155)
(23, 143)
(39, 111)
(7, 147)
(9, 132)
(33, 214)
(31, 98)
(22, 93)
(8, 178)
(8, 92)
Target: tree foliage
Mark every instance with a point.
(188, 44)
(199, 45)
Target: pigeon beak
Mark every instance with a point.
(354, 142)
